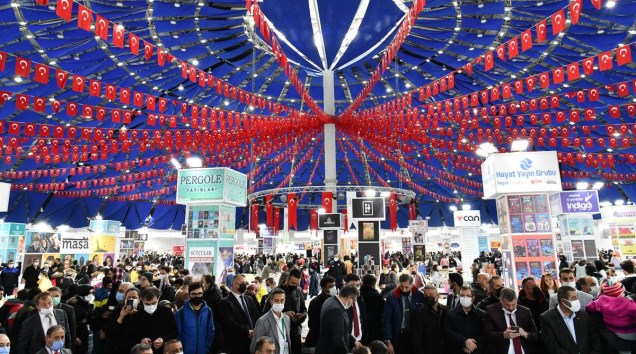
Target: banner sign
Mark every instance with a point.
(104, 227)
(575, 202)
(619, 213)
(369, 209)
(418, 226)
(211, 185)
(331, 221)
(530, 172)
(467, 218)
(75, 244)
(12, 229)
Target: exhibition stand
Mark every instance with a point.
(621, 222)
(524, 218)
(575, 210)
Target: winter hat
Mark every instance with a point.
(83, 290)
(614, 290)
(148, 276)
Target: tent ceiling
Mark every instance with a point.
(218, 36)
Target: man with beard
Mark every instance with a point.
(237, 315)
(328, 286)
(428, 323)
(397, 330)
(294, 308)
(495, 284)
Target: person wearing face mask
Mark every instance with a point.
(567, 328)
(532, 297)
(588, 285)
(428, 323)
(335, 325)
(464, 326)
(397, 317)
(5, 344)
(455, 282)
(237, 316)
(68, 309)
(55, 338)
(495, 284)
(328, 289)
(152, 324)
(195, 322)
(509, 328)
(337, 271)
(566, 276)
(173, 346)
(82, 304)
(357, 312)
(32, 273)
(294, 307)
(9, 277)
(32, 334)
(274, 324)
(374, 306)
(167, 291)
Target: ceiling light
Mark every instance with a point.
(175, 163)
(598, 185)
(226, 103)
(488, 147)
(369, 192)
(465, 206)
(18, 79)
(519, 145)
(385, 194)
(98, 216)
(194, 162)
(180, 87)
(610, 4)
(619, 202)
(453, 208)
(582, 186)
(388, 89)
(195, 62)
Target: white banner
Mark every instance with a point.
(72, 244)
(470, 218)
(527, 172)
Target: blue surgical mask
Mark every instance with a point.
(119, 297)
(57, 345)
(4, 350)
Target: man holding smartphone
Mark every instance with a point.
(509, 328)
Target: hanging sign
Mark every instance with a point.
(330, 221)
(418, 226)
(211, 185)
(369, 209)
(467, 218)
(575, 202)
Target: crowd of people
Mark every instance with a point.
(266, 304)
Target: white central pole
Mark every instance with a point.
(330, 134)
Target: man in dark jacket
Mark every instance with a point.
(237, 315)
(397, 316)
(464, 326)
(428, 324)
(509, 327)
(82, 306)
(374, 302)
(532, 297)
(68, 309)
(335, 326)
(480, 288)
(495, 284)
(31, 273)
(195, 322)
(315, 306)
(167, 291)
(337, 271)
(357, 312)
(294, 308)
(9, 278)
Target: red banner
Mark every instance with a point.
(313, 219)
(412, 211)
(327, 201)
(269, 211)
(393, 212)
(276, 220)
(254, 218)
(292, 221)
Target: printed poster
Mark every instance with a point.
(578, 251)
(200, 258)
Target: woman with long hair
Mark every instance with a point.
(549, 285)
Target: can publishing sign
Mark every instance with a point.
(467, 218)
(530, 172)
(211, 185)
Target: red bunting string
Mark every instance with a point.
(347, 163)
(311, 176)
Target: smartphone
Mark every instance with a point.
(129, 304)
(515, 329)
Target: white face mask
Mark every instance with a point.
(278, 308)
(595, 290)
(89, 298)
(269, 289)
(569, 283)
(575, 306)
(466, 301)
(333, 291)
(162, 276)
(346, 305)
(46, 311)
(150, 308)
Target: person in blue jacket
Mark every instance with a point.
(195, 322)
(400, 306)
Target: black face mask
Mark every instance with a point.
(196, 301)
(536, 291)
(413, 273)
(498, 292)
(430, 301)
(242, 288)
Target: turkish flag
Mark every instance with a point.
(45, 130)
(412, 211)
(575, 10)
(148, 50)
(597, 4)
(393, 212)
(269, 210)
(22, 66)
(87, 112)
(541, 31)
(557, 75)
(58, 132)
(573, 71)
(254, 218)
(115, 115)
(292, 220)
(513, 48)
(29, 129)
(3, 60)
(118, 36)
(588, 66)
(138, 98)
(41, 73)
(101, 27)
(622, 89)
(327, 201)
(95, 88)
(488, 61)
(614, 111)
(624, 55)
(124, 95)
(14, 128)
(558, 22)
(605, 61)
(276, 220)
(22, 102)
(84, 17)
(56, 106)
(78, 83)
(501, 52)
(111, 92)
(39, 104)
(133, 43)
(163, 103)
(530, 81)
(469, 68)
(594, 94)
(64, 9)
(526, 40)
(544, 80)
(313, 219)
(101, 113)
(71, 108)
(518, 87)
